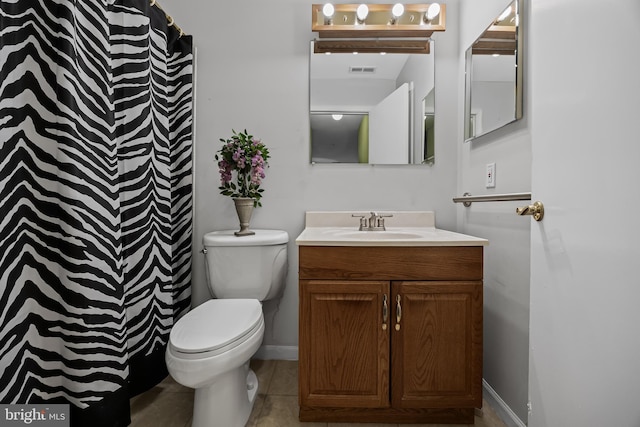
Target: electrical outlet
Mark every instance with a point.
(490, 177)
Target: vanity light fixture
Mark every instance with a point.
(336, 117)
(501, 37)
(365, 28)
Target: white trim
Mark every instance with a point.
(500, 407)
(277, 352)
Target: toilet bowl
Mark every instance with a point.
(211, 354)
(210, 347)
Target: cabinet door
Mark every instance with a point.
(344, 344)
(437, 344)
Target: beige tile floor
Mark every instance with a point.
(170, 405)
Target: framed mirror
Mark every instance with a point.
(372, 108)
(493, 75)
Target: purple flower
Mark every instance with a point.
(247, 156)
(239, 158)
(225, 171)
(257, 160)
(257, 173)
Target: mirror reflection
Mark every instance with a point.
(493, 89)
(372, 108)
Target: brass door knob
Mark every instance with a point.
(536, 210)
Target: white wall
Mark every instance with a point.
(494, 103)
(358, 95)
(252, 72)
(506, 281)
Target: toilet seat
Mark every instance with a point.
(215, 327)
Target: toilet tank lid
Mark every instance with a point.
(261, 238)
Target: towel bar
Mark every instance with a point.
(467, 198)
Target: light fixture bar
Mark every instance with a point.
(379, 22)
(498, 39)
(372, 46)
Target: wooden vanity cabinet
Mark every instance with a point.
(390, 334)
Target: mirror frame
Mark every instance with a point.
(469, 120)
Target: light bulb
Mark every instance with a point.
(336, 117)
(433, 11)
(398, 10)
(327, 10)
(362, 12)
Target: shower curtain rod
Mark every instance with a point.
(170, 19)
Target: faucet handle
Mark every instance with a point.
(380, 222)
(363, 221)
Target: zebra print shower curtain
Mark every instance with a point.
(95, 201)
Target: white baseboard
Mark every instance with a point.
(277, 352)
(502, 409)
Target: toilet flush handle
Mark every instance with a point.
(203, 251)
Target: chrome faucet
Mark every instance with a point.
(374, 223)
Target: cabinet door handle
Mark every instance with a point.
(398, 312)
(385, 312)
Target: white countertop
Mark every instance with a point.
(411, 228)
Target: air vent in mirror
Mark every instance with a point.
(362, 70)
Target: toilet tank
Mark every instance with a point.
(248, 266)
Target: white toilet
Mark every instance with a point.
(210, 347)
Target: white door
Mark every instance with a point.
(389, 129)
(584, 66)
